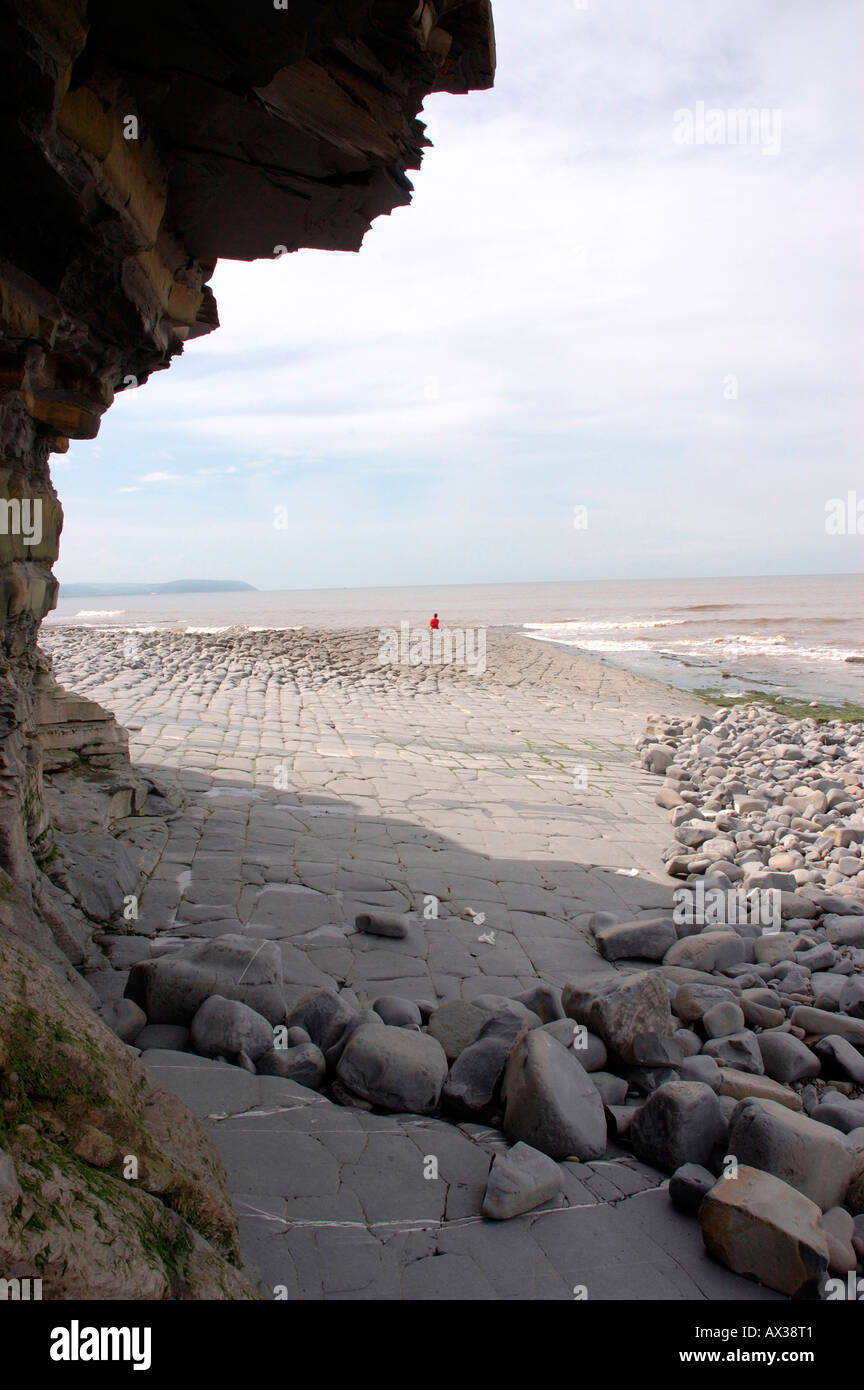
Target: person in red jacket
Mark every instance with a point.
(434, 623)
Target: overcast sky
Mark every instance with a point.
(578, 310)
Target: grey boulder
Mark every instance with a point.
(590, 1049)
(520, 1180)
(393, 1069)
(703, 1069)
(324, 1015)
(840, 1058)
(809, 1156)
(125, 1019)
(758, 1226)
(303, 1063)
(399, 1013)
(680, 1123)
(375, 923)
(688, 1187)
(456, 1024)
(723, 1019)
(738, 1050)
(786, 1058)
(827, 1024)
(550, 1101)
(171, 988)
(224, 1027)
(334, 1050)
(621, 1008)
(709, 950)
(839, 1112)
(473, 1082)
(613, 1089)
(693, 1001)
(637, 940)
(543, 1000)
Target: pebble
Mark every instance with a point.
(840, 1112)
(391, 924)
(723, 1019)
(786, 1059)
(839, 1058)
(738, 1050)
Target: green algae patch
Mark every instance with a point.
(822, 713)
(100, 1150)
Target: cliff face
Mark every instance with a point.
(139, 144)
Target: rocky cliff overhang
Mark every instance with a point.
(142, 142)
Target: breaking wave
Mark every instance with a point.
(578, 625)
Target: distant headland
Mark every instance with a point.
(175, 586)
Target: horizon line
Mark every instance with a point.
(469, 584)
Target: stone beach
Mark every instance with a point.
(322, 979)
(410, 943)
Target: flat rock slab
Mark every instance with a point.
(334, 1203)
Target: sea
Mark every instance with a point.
(798, 635)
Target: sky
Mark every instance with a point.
(614, 337)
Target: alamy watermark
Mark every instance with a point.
(20, 1290)
(710, 125)
(853, 1289)
(735, 907)
(77, 1343)
(21, 516)
(844, 516)
(447, 646)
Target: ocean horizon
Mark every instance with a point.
(796, 634)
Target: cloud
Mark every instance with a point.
(575, 309)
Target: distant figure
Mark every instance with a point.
(434, 623)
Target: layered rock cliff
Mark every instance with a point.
(141, 143)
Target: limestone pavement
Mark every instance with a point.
(501, 810)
